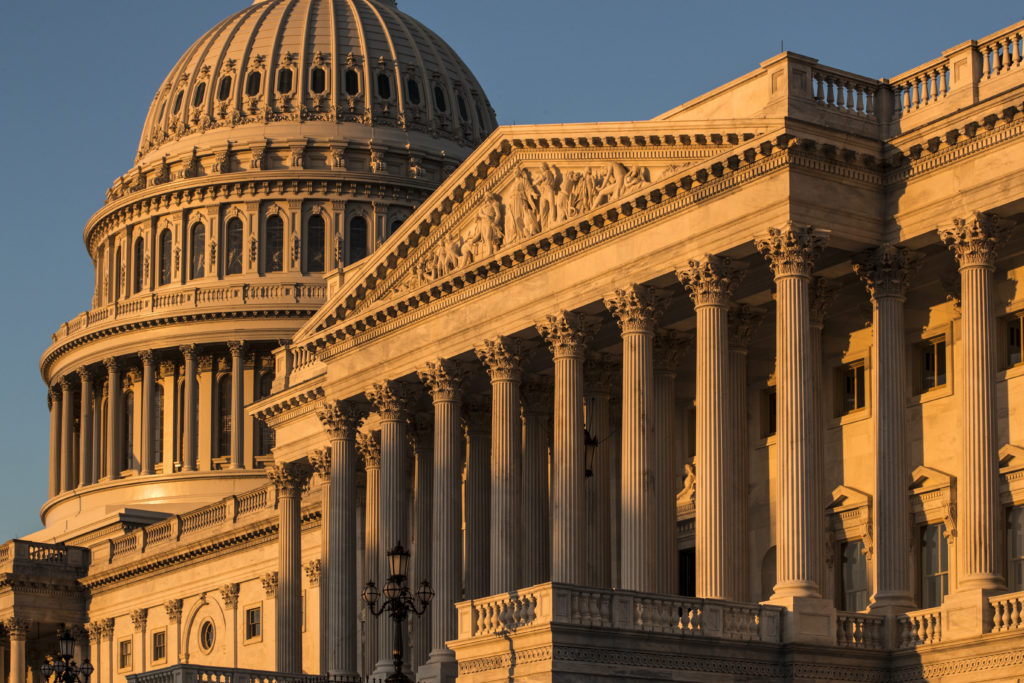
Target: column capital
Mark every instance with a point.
(635, 308)
(566, 333)
(712, 280)
(85, 375)
(823, 293)
(369, 448)
(792, 251)
(65, 383)
(313, 570)
(669, 346)
(388, 399)
(340, 419)
(188, 351)
(886, 270)
(443, 379)
(94, 630)
(744, 319)
(166, 368)
(17, 629)
(236, 348)
(51, 397)
(173, 609)
(290, 478)
(477, 415)
(270, 583)
(320, 459)
(146, 357)
(419, 434)
(139, 618)
(229, 594)
(107, 627)
(976, 239)
(502, 357)
(113, 365)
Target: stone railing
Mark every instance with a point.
(1007, 612)
(924, 86)
(845, 92)
(1001, 53)
(860, 631)
(923, 627)
(191, 673)
(25, 553)
(189, 299)
(553, 603)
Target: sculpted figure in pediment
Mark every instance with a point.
(485, 237)
(522, 208)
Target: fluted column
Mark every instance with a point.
(338, 588)
(566, 336)
(536, 552)
(85, 429)
(389, 401)
(975, 242)
(443, 379)
(886, 271)
(320, 460)
(53, 402)
(188, 420)
(369, 449)
(67, 442)
(635, 311)
(237, 405)
(822, 293)
(148, 412)
(711, 283)
(17, 631)
(502, 359)
(477, 514)
(421, 443)
(668, 346)
(290, 479)
(791, 253)
(600, 379)
(115, 445)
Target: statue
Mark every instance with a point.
(689, 492)
(486, 236)
(521, 214)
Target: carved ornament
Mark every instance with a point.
(139, 618)
(269, 581)
(341, 419)
(502, 357)
(290, 478)
(566, 333)
(173, 609)
(320, 459)
(886, 270)
(743, 321)
(976, 240)
(369, 448)
(635, 308)
(792, 250)
(229, 594)
(711, 281)
(312, 571)
(443, 378)
(388, 399)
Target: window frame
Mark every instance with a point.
(121, 654)
(203, 647)
(862, 387)
(246, 610)
(152, 646)
(943, 553)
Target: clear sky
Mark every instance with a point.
(77, 77)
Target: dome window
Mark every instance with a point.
(463, 111)
(252, 83)
(274, 254)
(315, 234)
(197, 264)
(357, 234)
(284, 81)
(200, 93)
(138, 256)
(224, 416)
(317, 80)
(439, 100)
(177, 101)
(352, 82)
(383, 86)
(233, 266)
(412, 90)
(480, 118)
(224, 90)
(163, 106)
(165, 257)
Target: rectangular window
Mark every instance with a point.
(159, 648)
(852, 385)
(1015, 340)
(933, 363)
(688, 572)
(853, 596)
(253, 623)
(124, 655)
(934, 565)
(769, 412)
(1015, 548)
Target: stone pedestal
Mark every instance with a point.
(967, 613)
(808, 620)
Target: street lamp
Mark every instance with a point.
(398, 602)
(63, 669)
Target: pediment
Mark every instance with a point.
(924, 479)
(1011, 458)
(847, 497)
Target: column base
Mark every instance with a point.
(439, 669)
(967, 613)
(807, 619)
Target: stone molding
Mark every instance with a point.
(712, 280)
(443, 379)
(793, 250)
(975, 240)
(502, 357)
(886, 270)
(635, 308)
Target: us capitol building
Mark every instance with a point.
(733, 394)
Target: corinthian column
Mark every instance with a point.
(975, 241)
(536, 554)
(290, 479)
(115, 447)
(668, 346)
(188, 420)
(477, 512)
(711, 283)
(791, 253)
(635, 311)
(237, 404)
(566, 336)
(85, 429)
(822, 293)
(443, 379)
(600, 378)
(53, 402)
(338, 590)
(421, 443)
(369, 448)
(502, 357)
(17, 631)
(148, 412)
(886, 271)
(67, 442)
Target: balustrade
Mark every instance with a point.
(1001, 53)
(1007, 612)
(860, 631)
(191, 673)
(845, 92)
(923, 627)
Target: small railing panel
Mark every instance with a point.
(860, 631)
(1007, 612)
(923, 627)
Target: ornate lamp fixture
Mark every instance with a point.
(62, 669)
(398, 602)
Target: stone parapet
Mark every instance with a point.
(186, 673)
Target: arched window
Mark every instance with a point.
(412, 90)
(163, 107)
(165, 257)
(158, 427)
(264, 433)
(480, 118)
(177, 101)
(315, 239)
(252, 83)
(383, 86)
(200, 93)
(224, 415)
(224, 89)
(234, 247)
(357, 234)
(463, 111)
(274, 259)
(197, 248)
(317, 80)
(138, 258)
(128, 430)
(284, 80)
(395, 225)
(179, 425)
(439, 99)
(104, 420)
(352, 82)
(117, 274)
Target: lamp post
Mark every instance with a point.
(398, 602)
(63, 669)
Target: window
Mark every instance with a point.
(1015, 340)
(138, 256)
(224, 415)
(383, 86)
(177, 101)
(197, 266)
(934, 565)
(412, 90)
(1015, 548)
(159, 648)
(439, 99)
(264, 432)
(158, 428)
(357, 234)
(352, 82)
(284, 80)
(688, 572)
(933, 363)
(224, 89)
(853, 577)
(274, 260)
(233, 266)
(117, 274)
(129, 430)
(197, 98)
(207, 636)
(316, 233)
(769, 412)
(124, 655)
(253, 623)
(480, 118)
(852, 387)
(463, 111)
(317, 80)
(252, 83)
(395, 225)
(165, 257)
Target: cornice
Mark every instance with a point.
(308, 398)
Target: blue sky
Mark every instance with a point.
(77, 78)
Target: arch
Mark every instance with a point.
(358, 238)
(316, 234)
(273, 244)
(768, 573)
(166, 247)
(197, 251)
(203, 608)
(138, 256)
(233, 239)
(224, 415)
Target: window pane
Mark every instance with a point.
(165, 257)
(854, 593)
(412, 88)
(934, 565)
(252, 83)
(284, 80)
(383, 86)
(1015, 548)
(317, 80)
(138, 256)
(940, 363)
(198, 248)
(224, 414)
(234, 254)
(351, 82)
(357, 234)
(225, 88)
(275, 244)
(315, 241)
(199, 95)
